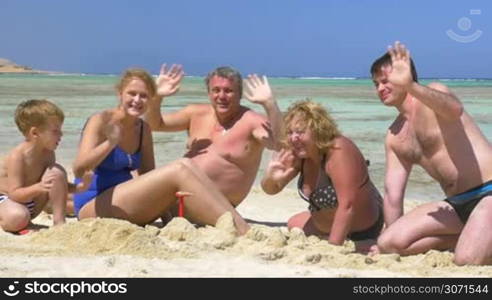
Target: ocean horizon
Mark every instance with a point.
(352, 102)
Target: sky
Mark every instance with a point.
(309, 38)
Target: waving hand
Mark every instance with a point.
(169, 80)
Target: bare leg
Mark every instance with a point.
(307, 222)
(429, 226)
(147, 197)
(58, 193)
(475, 243)
(203, 177)
(13, 216)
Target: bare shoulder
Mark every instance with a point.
(346, 146)
(252, 116)
(100, 118)
(15, 158)
(198, 109)
(346, 160)
(439, 87)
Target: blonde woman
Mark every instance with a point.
(116, 143)
(333, 178)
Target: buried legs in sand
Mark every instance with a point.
(147, 197)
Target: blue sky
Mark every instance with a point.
(277, 38)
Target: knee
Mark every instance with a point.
(58, 172)
(291, 223)
(181, 167)
(462, 258)
(389, 243)
(296, 221)
(16, 219)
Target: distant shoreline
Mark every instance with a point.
(341, 79)
(10, 67)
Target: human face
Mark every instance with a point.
(134, 97)
(389, 94)
(224, 96)
(300, 138)
(50, 134)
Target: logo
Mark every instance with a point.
(11, 291)
(464, 24)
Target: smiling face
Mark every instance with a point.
(389, 94)
(224, 96)
(300, 138)
(133, 97)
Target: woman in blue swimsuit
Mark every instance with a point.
(333, 178)
(117, 146)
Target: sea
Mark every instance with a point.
(352, 102)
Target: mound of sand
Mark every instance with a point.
(112, 244)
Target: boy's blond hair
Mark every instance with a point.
(35, 113)
(315, 117)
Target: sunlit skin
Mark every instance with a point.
(151, 192)
(389, 94)
(224, 97)
(357, 207)
(225, 139)
(433, 131)
(51, 133)
(134, 97)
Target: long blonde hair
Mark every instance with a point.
(317, 119)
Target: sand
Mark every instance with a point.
(7, 66)
(116, 248)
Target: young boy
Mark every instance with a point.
(30, 176)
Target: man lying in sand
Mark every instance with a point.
(226, 139)
(433, 131)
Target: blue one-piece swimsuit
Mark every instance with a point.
(113, 170)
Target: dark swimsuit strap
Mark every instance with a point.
(141, 133)
(141, 136)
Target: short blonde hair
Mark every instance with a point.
(141, 74)
(35, 113)
(317, 119)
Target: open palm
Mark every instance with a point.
(258, 90)
(400, 61)
(168, 82)
(282, 165)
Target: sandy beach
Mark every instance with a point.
(115, 248)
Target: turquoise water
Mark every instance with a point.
(352, 102)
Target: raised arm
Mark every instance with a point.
(168, 83)
(281, 169)
(395, 182)
(258, 91)
(436, 96)
(101, 134)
